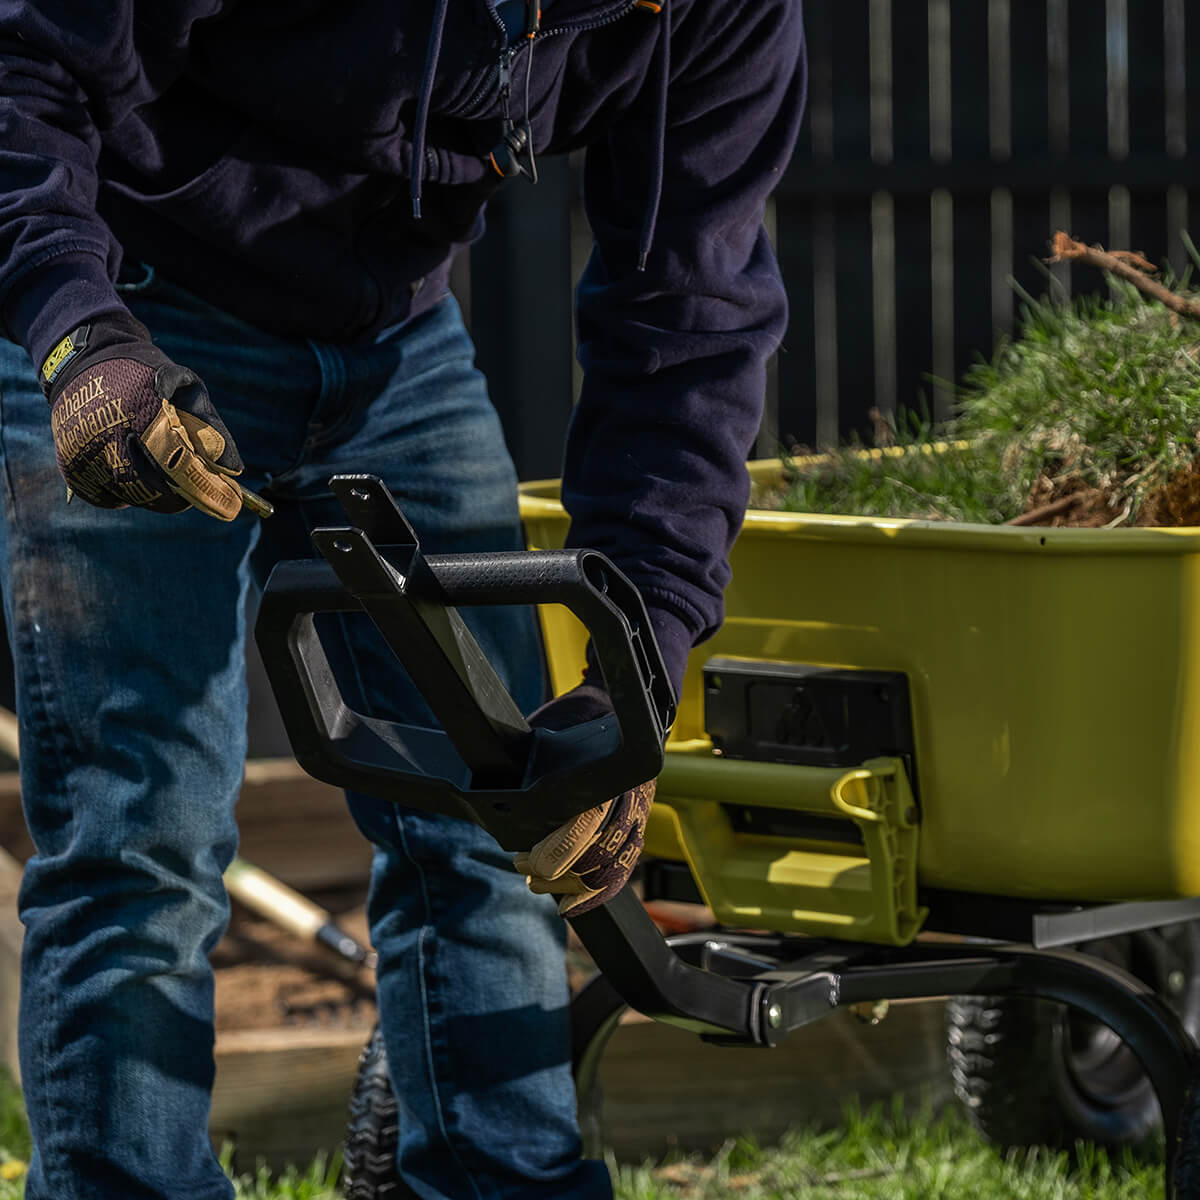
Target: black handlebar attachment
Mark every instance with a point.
(485, 764)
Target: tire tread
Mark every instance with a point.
(373, 1131)
(996, 1047)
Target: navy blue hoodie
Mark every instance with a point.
(261, 153)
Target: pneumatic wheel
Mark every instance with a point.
(1033, 1072)
(372, 1135)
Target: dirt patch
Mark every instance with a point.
(267, 978)
(1177, 503)
(1087, 507)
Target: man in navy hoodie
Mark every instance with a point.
(225, 234)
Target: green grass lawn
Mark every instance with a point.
(890, 1156)
(871, 1156)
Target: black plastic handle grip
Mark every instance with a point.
(609, 606)
(485, 764)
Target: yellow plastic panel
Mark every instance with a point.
(786, 884)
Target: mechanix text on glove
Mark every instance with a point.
(131, 427)
(587, 861)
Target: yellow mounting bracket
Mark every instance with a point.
(796, 884)
(878, 798)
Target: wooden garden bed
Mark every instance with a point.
(283, 1083)
(282, 1080)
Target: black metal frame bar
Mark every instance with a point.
(754, 990)
(1109, 920)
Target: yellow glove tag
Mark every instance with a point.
(58, 357)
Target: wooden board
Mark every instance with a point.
(13, 835)
(299, 829)
(282, 1094)
(11, 936)
(291, 826)
(279, 1093)
(663, 1089)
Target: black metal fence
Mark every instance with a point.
(945, 141)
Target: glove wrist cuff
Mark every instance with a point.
(82, 344)
(42, 304)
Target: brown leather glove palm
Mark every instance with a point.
(588, 860)
(133, 428)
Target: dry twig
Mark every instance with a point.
(1035, 515)
(1125, 265)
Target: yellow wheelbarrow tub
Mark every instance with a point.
(1054, 678)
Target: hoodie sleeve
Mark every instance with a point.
(69, 70)
(674, 355)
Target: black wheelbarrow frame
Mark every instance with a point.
(486, 765)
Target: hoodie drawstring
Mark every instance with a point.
(432, 51)
(650, 217)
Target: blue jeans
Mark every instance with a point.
(127, 632)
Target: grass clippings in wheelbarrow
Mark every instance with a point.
(1090, 417)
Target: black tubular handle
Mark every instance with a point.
(484, 764)
(602, 598)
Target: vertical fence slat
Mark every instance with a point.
(1174, 78)
(910, 140)
(1000, 104)
(1188, 136)
(1028, 26)
(1148, 123)
(527, 363)
(1120, 196)
(941, 211)
(852, 224)
(883, 230)
(1089, 126)
(794, 219)
(970, 92)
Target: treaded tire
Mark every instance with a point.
(997, 1048)
(373, 1131)
(1031, 1072)
(372, 1134)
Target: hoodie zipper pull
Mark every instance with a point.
(516, 146)
(505, 81)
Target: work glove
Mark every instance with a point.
(588, 860)
(133, 428)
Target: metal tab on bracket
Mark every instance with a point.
(446, 664)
